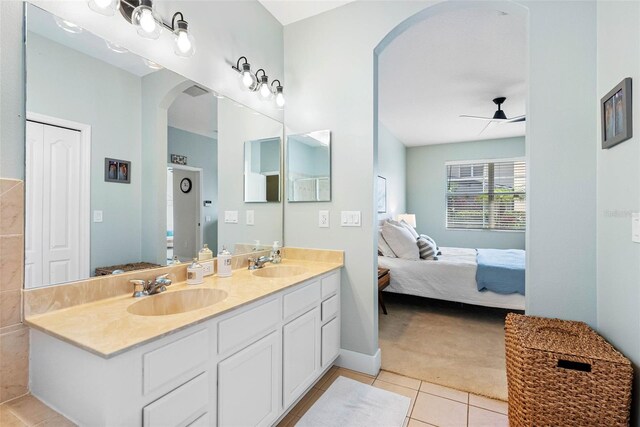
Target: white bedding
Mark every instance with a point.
(452, 278)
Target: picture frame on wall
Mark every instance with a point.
(177, 159)
(116, 170)
(381, 193)
(617, 114)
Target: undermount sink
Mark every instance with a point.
(278, 271)
(177, 302)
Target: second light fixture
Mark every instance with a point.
(259, 82)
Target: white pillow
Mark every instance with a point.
(383, 247)
(400, 241)
(403, 223)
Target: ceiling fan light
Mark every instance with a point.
(500, 115)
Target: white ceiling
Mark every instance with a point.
(451, 64)
(44, 24)
(289, 11)
(195, 114)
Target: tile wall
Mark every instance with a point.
(14, 336)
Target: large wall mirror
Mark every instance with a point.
(309, 167)
(130, 165)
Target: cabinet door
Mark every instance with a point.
(330, 341)
(249, 384)
(301, 354)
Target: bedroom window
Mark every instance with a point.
(486, 195)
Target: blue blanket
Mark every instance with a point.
(501, 270)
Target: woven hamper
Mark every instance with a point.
(562, 373)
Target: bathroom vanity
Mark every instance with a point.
(244, 360)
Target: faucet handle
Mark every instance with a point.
(163, 279)
(138, 288)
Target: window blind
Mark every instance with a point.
(487, 195)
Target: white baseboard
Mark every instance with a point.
(359, 361)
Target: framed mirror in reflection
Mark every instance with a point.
(262, 170)
(309, 167)
(183, 145)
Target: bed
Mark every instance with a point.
(452, 278)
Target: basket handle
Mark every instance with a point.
(574, 366)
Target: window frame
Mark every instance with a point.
(483, 161)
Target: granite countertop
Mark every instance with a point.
(106, 328)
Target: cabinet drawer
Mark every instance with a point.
(330, 341)
(330, 285)
(175, 363)
(330, 308)
(202, 421)
(181, 407)
(300, 300)
(243, 329)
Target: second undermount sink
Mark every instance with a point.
(279, 271)
(177, 302)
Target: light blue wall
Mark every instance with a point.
(66, 84)
(270, 155)
(305, 159)
(426, 189)
(392, 165)
(201, 152)
(619, 189)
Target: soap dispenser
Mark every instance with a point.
(224, 263)
(205, 253)
(195, 273)
(276, 255)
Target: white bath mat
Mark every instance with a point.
(349, 403)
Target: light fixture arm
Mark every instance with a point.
(264, 73)
(173, 20)
(276, 80)
(237, 67)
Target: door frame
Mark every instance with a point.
(85, 181)
(200, 231)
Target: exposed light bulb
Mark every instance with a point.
(102, 3)
(104, 7)
(264, 90)
(247, 79)
(183, 42)
(147, 23)
(280, 99)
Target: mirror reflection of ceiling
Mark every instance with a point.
(44, 24)
(195, 111)
(451, 64)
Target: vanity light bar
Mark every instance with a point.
(148, 22)
(259, 83)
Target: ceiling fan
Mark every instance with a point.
(499, 117)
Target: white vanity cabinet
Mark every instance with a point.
(246, 367)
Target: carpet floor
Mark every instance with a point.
(451, 344)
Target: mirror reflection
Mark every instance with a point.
(129, 165)
(309, 167)
(262, 170)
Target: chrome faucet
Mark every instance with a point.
(143, 288)
(256, 263)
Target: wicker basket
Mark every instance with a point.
(562, 373)
(105, 271)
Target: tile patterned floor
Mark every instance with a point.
(28, 411)
(431, 404)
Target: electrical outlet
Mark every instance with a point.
(635, 227)
(323, 219)
(97, 216)
(207, 267)
(250, 217)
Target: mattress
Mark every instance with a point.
(452, 278)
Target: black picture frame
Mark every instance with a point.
(617, 114)
(116, 170)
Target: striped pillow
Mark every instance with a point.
(424, 236)
(427, 249)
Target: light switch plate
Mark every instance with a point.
(207, 218)
(250, 217)
(231, 217)
(323, 219)
(97, 216)
(350, 218)
(635, 227)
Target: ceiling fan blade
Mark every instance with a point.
(489, 125)
(477, 118)
(516, 119)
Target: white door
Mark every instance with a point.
(53, 239)
(186, 213)
(248, 385)
(301, 354)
